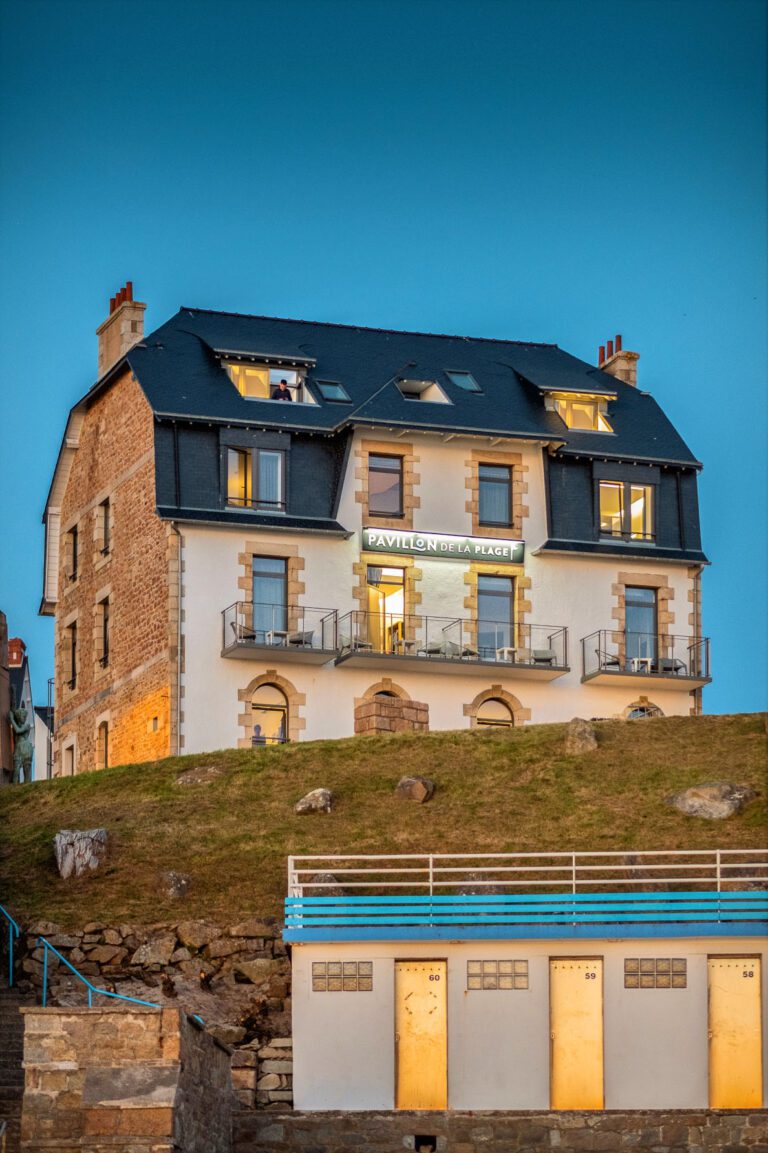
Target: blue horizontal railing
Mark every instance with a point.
(13, 934)
(741, 913)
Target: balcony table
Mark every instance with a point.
(506, 653)
(641, 664)
(277, 637)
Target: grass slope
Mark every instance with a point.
(496, 791)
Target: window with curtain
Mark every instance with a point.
(270, 587)
(641, 627)
(255, 479)
(495, 614)
(385, 485)
(495, 491)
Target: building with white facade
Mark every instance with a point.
(412, 531)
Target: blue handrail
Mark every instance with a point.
(48, 947)
(13, 933)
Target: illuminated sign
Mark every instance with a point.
(442, 547)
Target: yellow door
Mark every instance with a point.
(735, 1048)
(576, 1030)
(421, 1035)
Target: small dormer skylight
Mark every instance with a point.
(428, 390)
(332, 390)
(581, 412)
(463, 380)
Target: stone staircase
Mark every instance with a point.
(11, 1072)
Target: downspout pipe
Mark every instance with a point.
(176, 751)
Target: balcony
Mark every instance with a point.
(639, 659)
(452, 645)
(293, 632)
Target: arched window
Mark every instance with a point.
(494, 712)
(270, 716)
(385, 693)
(641, 711)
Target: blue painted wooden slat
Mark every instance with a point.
(607, 919)
(460, 908)
(527, 898)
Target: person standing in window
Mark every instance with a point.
(282, 392)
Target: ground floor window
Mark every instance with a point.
(641, 710)
(495, 714)
(270, 716)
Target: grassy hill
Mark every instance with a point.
(496, 791)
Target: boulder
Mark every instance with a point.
(259, 971)
(419, 789)
(203, 775)
(79, 851)
(174, 886)
(157, 951)
(579, 737)
(330, 885)
(318, 801)
(196, 934)
(714, 801)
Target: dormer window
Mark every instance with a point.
(269, 382)
(581, 412)
(428, 390)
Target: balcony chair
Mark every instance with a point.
(301, 639)
(672, 665)
(349, 644)
(606, 660)
(243, 633)
(544, 657)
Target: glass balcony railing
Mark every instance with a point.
(646, 654)
(452, 639)
(297, 628)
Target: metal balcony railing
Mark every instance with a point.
(295, 627)
(650, 654)
(452, 638)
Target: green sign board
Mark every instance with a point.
(442, 547)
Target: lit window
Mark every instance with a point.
(270, 717)
(463, 380)
(262, 382)
(385, 485)
(269, 621)
(331, 390)
(495, 714)
(626, 510)
(495, 614)
(495, 496)
(425, 390)
(581, 413)
(255, 479)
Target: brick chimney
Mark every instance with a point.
(16, 650)
(617, 362)
(123, 328)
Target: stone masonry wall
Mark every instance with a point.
(391, 715)
(136, 571)
(125, 1079)
(236, 978)
(604, 1132)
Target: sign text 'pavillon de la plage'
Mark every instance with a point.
(468, 548)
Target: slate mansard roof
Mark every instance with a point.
(179, 369)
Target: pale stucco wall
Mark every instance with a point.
(655, 1040)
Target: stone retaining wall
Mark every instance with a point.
(124, 1079)
(679, 1131)
(236, 978)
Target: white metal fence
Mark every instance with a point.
(722, 870)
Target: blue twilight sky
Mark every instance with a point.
(557, 170)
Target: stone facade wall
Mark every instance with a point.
(123, 1078)
(132, 691)
(237, 979)
(391, 715)
(603, 1132)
